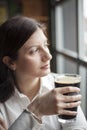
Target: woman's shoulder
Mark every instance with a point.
(2, 108)
(1, 105)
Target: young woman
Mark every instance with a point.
(26, 82)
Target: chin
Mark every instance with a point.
(45, 73)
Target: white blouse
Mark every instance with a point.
(13, 108)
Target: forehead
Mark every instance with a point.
(37, 37)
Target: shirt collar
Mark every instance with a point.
(46, 84)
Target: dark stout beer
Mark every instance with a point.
(68, 80)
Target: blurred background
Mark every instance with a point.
(66, 22)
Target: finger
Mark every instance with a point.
(69, 89)
(1, 128)
(72, 105)
(2, 123)
(72, 98)
(68, 105)
(67, 112)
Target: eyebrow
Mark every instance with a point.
(30, 46)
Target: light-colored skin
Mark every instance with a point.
(2, 125)
(34, 62)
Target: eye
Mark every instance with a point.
(46, 45)
(33, 50)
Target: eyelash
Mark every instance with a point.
(47, 44)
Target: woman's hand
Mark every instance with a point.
(55, 102)
(2, 125)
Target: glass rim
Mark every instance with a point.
(58, 76)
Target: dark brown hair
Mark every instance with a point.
(13, 34)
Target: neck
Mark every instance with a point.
(29, 87)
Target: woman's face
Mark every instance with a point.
(34, 56)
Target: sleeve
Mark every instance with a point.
(26, 121)
(79, 124)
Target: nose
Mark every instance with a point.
(46, 55)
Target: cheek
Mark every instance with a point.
(28, 65)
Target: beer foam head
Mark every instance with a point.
(66, 79)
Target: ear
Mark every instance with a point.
(8, 61)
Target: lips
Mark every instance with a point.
(45, 66)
